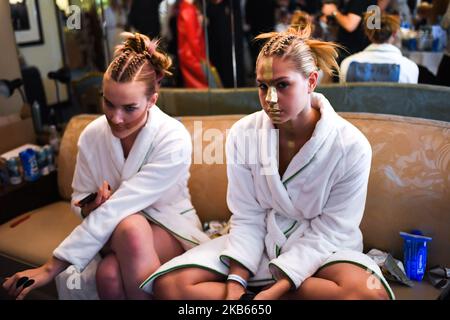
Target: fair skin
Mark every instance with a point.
(348, 21)
(136, 248)
(295, 117)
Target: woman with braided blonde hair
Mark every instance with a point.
(297, 183)
(136, 158)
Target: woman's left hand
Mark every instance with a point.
(276, 291)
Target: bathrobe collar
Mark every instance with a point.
(278, 186)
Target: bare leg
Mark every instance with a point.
(109, 279)
(190, 284)
(138, 247)
(340, 281)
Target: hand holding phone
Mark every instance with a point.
(91, 197)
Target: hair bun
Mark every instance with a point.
(139, 43)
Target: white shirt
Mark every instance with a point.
(445, 23)
(379, 62)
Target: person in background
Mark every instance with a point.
(310, 7)
(381, 60)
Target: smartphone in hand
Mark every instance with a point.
(91, 197)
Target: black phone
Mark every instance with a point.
(91, 197)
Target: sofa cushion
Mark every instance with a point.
(404, 99)
(32, 237)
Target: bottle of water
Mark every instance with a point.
(54, 139)
(36, 115)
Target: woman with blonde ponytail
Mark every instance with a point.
(135, 161)
(297, 184)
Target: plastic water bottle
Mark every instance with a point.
(50, 157)
(29, 164)
(41, 156)
(54, 139)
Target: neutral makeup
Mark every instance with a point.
(272, 96)
(125, 107)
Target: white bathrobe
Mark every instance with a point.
(300, 222)
(152, 179)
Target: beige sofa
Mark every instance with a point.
(409, 188)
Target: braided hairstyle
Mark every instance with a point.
(307, 54)
(138, 59)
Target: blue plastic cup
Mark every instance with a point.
(415, 254)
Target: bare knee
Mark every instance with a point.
(354, 283)
(365, 295)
